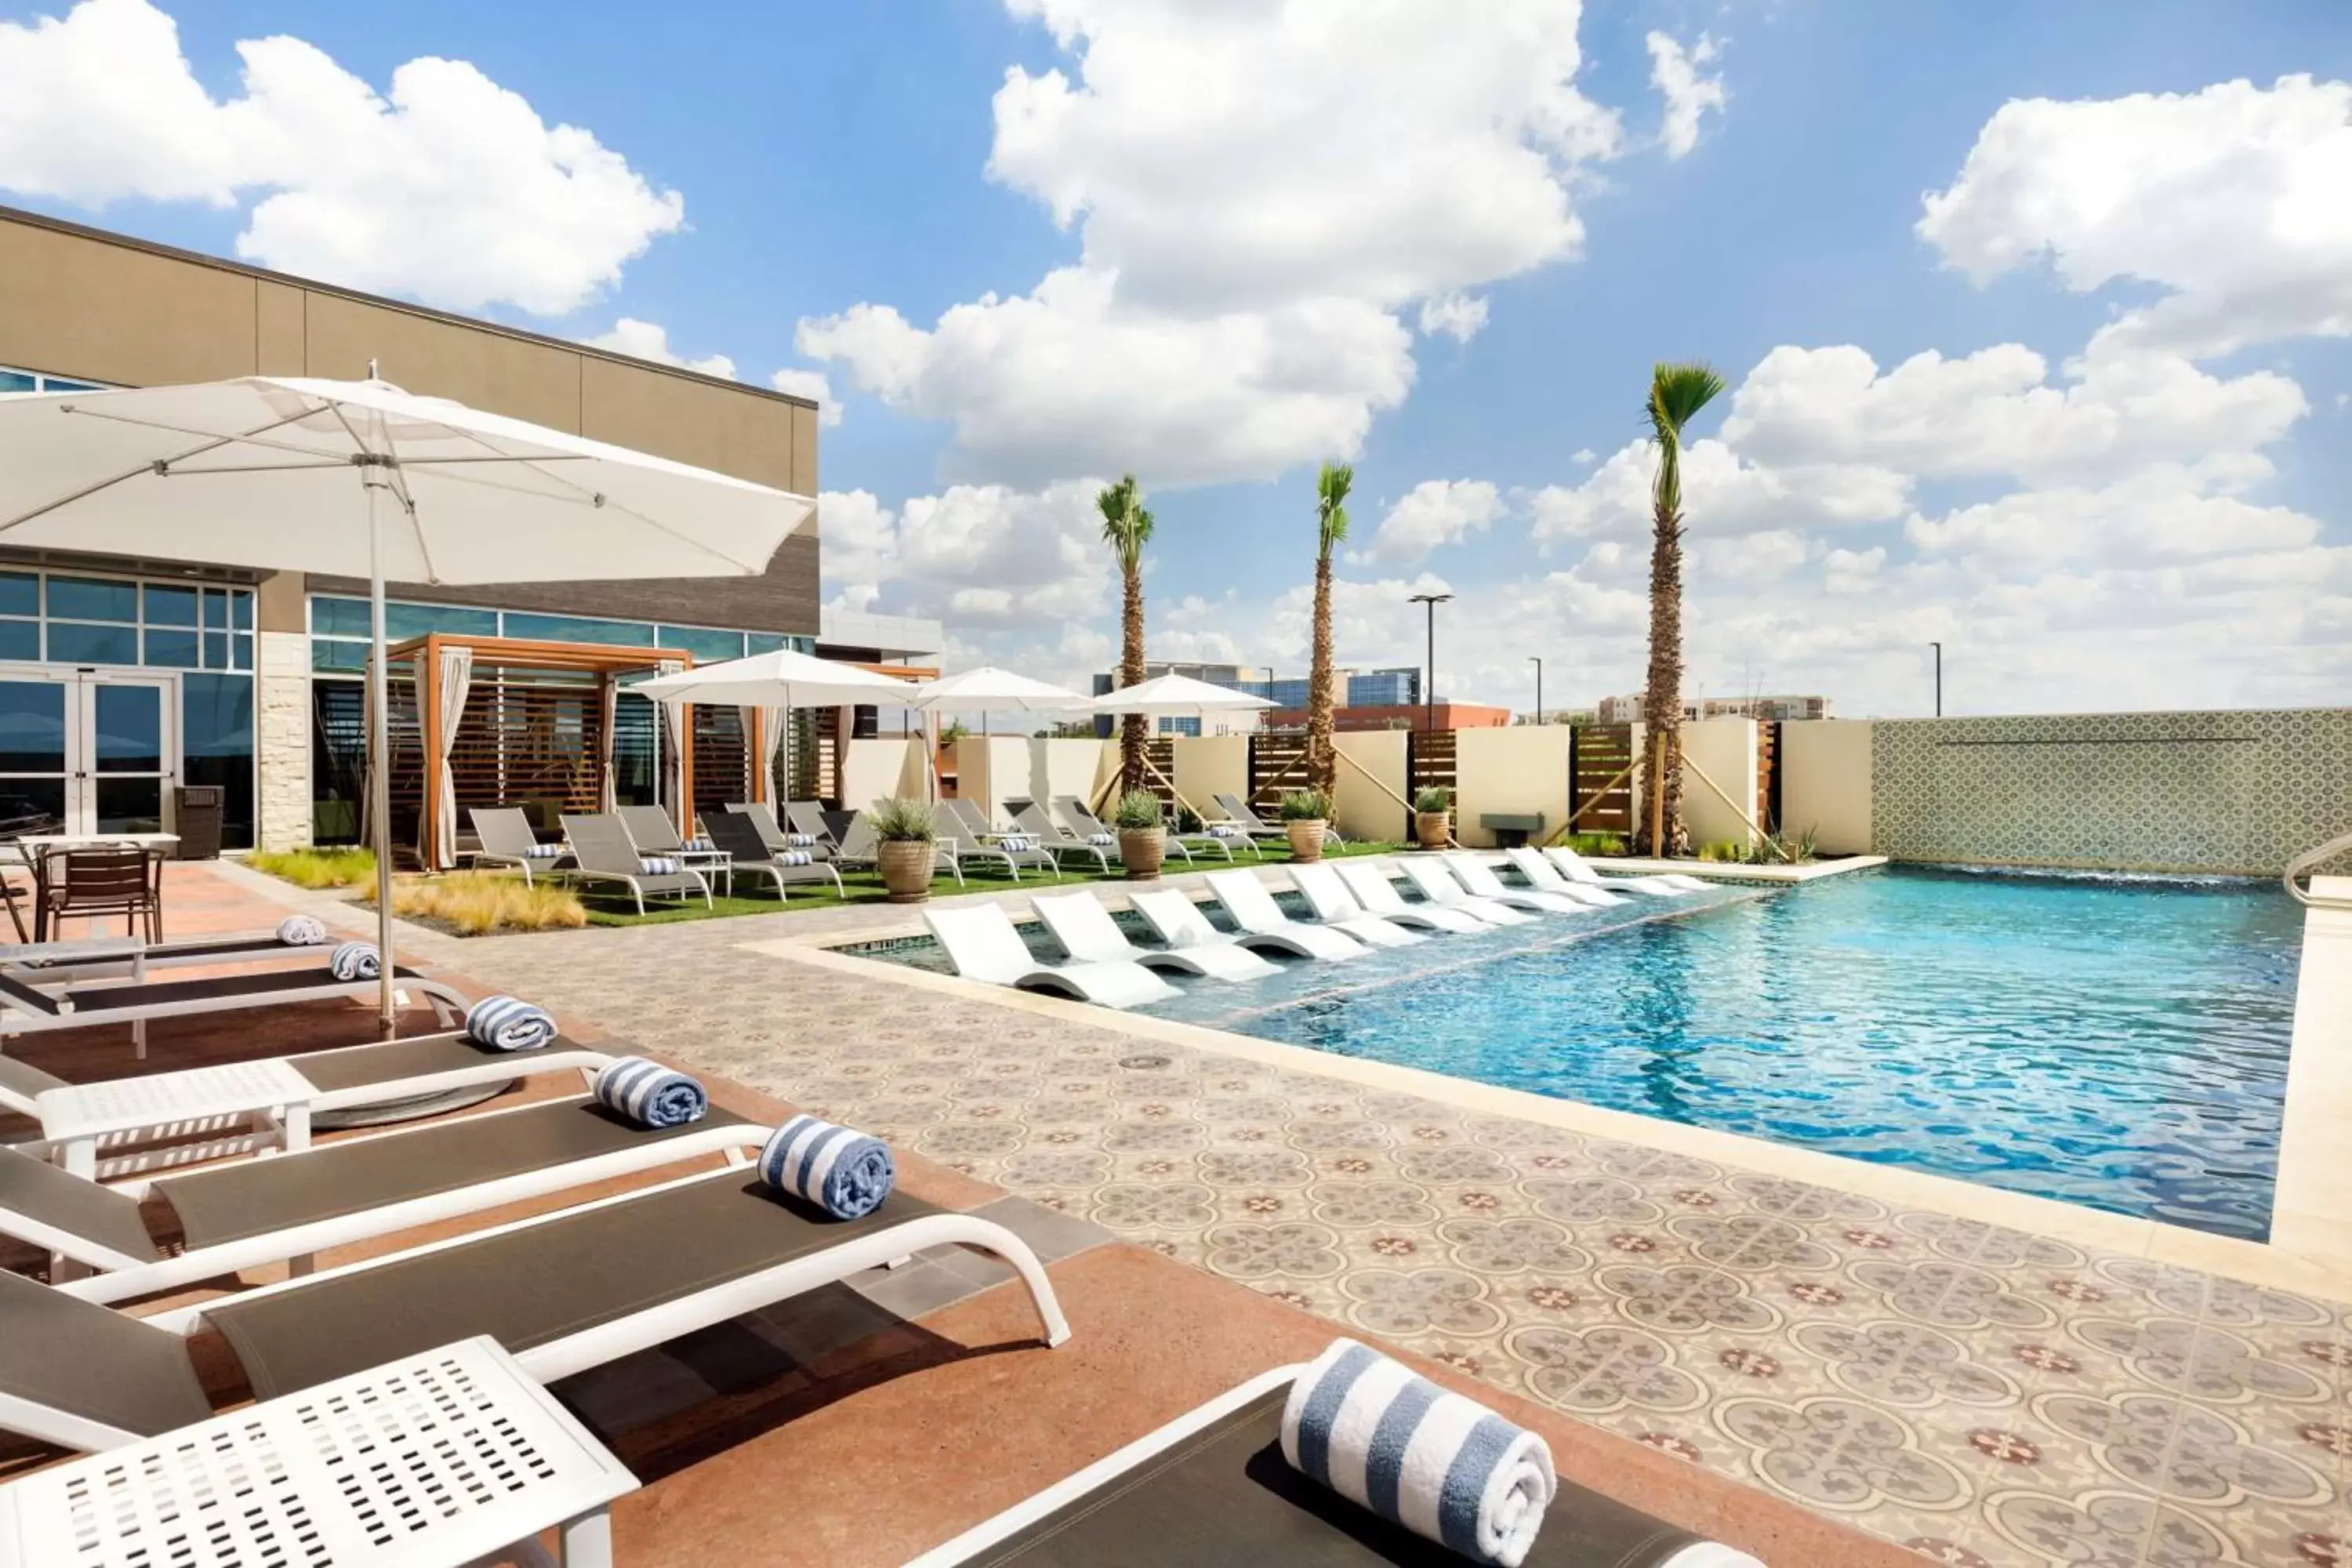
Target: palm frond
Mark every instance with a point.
(1331, 487)
(1678, 391)
(1126, 526)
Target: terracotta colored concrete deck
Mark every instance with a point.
(1986, 1392)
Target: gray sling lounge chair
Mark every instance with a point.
(738, 834)
(1239, 810)
(506, 839)
(1211, 1490)
(25, 1009)
(52, 962)
(1336, 907)
(982, 944)
(251, 1213)
(1057, 840)
(1089, 933)
(961, 826)
(1253, 910)
(779, 838)
(563, 1292)
(806, 818)
(1086, 825)
(651, 830)
(605, 854)
(168, 1126)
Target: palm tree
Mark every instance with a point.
(1678, 391)
(1127, 528)
(1331, 486)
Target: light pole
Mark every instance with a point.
(1429, 676)
(1939, 678)
(1537, 660)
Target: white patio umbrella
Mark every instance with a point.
(363, 479)
(986, 690)
(1176, 695)
(782, 680)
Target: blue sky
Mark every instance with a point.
(1288, 231)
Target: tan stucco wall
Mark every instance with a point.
(873, 770)
(1360, 809)
(1825, 783)
(1725, 749)
(1209, 765)
(991, 772)
(1522, 769)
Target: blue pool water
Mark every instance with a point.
(2112, 1042)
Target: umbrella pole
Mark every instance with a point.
(380, 775)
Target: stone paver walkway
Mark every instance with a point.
(1986, 1395)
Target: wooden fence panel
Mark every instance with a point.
(1601, 753)
(1768, 777)
(1278, 764)
(1432, 760)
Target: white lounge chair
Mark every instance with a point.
(1336, 907)
(1369, 881)
(1176, 921)
(1478, 880)
(1577, 868)
(1438, 886)
(1253, 910)
(1545, 878)
(563, 1292)
(980, 943)
(1089, 933)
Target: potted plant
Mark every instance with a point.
(1433, 807)
(1142, 838)
(905, 850)
(1304, 813)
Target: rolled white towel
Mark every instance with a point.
(801, 840)
(1443, 1466)
(1101, 840)
(793, 858)
(657, 865)
(509, 1023)
(355, 961)
(302, 931)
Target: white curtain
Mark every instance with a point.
(681, 810)
(367, 752)
(775, 725)
(457, 677)
(608, 798)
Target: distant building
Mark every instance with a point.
(1441, 715)
(1631, 707)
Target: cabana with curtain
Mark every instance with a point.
(552, 727)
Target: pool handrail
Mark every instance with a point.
(2309, 860)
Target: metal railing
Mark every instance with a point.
(2311, 859)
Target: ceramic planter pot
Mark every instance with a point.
(1305, 839)
(1140, 850)
(907, 869)
(1428, 828)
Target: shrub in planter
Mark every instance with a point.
(1142, 838)
(1304, 814)
(1433, 806)
(907, 852)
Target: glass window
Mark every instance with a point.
(20, 640)
(20, 593)
(215, 648)
(216, 606)
(240, 610)
(339, 617)
(59, 383)
(170, 605)
(241, 650)
(171, 649)
(217, 743)
(17, 381)
(331, 655)
(579, 628)
(93, 599)
(708, 647)
(33, 727)
(765, 642)
(332, 617)
(72, 643)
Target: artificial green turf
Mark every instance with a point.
(609, 908)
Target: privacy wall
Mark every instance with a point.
(2214, 792)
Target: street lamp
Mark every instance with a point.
(1537, 660)
(1429, 676)
(1939, 678)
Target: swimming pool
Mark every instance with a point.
(2120, 1043)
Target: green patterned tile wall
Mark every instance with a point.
(2213, 792)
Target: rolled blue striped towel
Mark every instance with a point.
(657, 866)
(543, 852)
(1019, 843)
(793, 858)
(844, 1172)
(302, 931)
(509, 1023)
(648, 1092)
(700, 846)
(1443, 1466)
(1225, 830)
(1101, 840)
(801, 840)
(355, 961)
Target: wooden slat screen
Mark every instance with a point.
(1161, 750)
(533, 742)
(1768, 777)
(1275, 767)
(1430, 761)
(1601, 751)
(720, 772)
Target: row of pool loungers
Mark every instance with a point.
(1357, 907)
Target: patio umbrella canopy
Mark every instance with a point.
(1178, 695)
(779, 679)
(991, 691)
(363, 479)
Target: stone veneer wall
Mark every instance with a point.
(2214, 792)
(282, 739)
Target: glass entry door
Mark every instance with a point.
(88, 753)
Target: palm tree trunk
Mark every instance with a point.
(1665, 690)
(1322, 761)
(1131, 731)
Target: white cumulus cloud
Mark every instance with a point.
(812, 385)
(650, 341)
(979, 555)
(1458, 316)
(446, 187)
(1434, 512)
(1688, 92)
